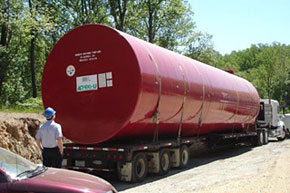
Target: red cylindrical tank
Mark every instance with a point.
(105, 85)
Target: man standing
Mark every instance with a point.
(49, 140)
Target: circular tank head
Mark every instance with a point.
(92, 79)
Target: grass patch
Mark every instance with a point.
(31, 105)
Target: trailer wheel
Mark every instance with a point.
(184, 156)
(266, 137)
(164, 161)
(139, 167)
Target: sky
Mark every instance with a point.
(237, 24)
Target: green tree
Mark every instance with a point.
(200, 47)
(25, 53)
(80, 12)
(282, 78)
(266, 66)
(37, 23)
(167, 23)
(118, 10)
(9, 17)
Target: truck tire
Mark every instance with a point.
(184, 156)
(287, 133)
(260, 138)
(266, 136)
(283, 135)
(139, 167)
(164, 161)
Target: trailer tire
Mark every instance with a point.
(265, 136)
(139, 167)
(184, 156)
(164, 162)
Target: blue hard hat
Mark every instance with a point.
(49, 112)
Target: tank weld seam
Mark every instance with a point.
(252, 102)
(202, 104)
(156, 115)
(201, 112)
(237, 107)
(182, 106)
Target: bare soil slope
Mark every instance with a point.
(17, 132)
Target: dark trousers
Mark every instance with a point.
(51, 157)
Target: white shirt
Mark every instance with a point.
(48, 133)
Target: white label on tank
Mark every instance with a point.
(109, 83)
(70, 70)
(94, 82)
(109, 75)
(88, 56)
(109, 78)
(102, 80)
(87, 83)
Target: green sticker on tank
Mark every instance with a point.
(87, 83)
(87, 87)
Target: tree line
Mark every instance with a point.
(266, 66)
(30, 28)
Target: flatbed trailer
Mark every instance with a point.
(132, 161)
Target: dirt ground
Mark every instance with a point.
(240, 169)
(11, 116)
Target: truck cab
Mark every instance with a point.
(270, 118)
(286, 119)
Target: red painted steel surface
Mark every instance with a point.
(105, 84)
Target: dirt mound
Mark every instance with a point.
(17, 135)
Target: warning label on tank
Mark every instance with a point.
(94, 82)
(88, 56)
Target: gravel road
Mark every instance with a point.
(233, 169)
